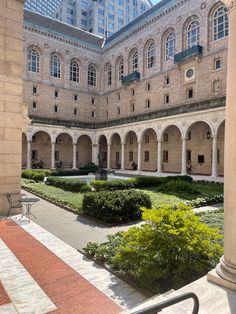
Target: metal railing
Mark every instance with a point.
(153, 309)
(188, 53)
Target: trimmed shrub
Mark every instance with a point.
(177, 186)
(100, 185)
(35, 174)
(73, 185)
(138, 182)
(84, 170)
(115, 206)
(172, 249)
(204, 201)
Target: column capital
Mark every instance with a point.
(183, 138)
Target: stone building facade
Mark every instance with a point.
(151, 97)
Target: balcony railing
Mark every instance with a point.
(132, 77)
(188, 53)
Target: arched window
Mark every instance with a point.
(134, 61)
(150, 55)
(55, 66)
(33, 60)
(220, 23)
(92, 76)
(108, 74)
(120, 69)
(74, 71)
(193, 31)
(170, 46)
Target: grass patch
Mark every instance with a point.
(203, 189)
(61, 197)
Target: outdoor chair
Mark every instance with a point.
(12, 204)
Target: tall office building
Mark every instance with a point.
(102, 17)
(44, 7)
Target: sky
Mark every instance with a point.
(155, 1)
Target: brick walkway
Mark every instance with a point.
(66, 288)
(4, 298)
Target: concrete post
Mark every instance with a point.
(159, 160)
(108, 156)
(95, 154)
(225, 273)
(214, 157)
(139, 156)
(53, 156)
(28, 155)
(122, 156)
(184, 172)
(74, 155)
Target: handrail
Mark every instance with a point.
(153, 309)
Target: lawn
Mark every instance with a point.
(203, 189)
(73, 200)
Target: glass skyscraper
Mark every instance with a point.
(45, 7)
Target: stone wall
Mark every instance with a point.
(11, 98)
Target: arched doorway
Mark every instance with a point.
(115, 151)
(64, 151)
(131, 151)
(41, 150)
(149, 150)
(199, 148)
(84, 150)
(171, 149)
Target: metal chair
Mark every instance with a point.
(13, 205)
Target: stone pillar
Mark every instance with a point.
(184, 172)
(214, 157)
(139, 156)
(108, 156)
(159, 160)
(225, 273)
(53, 156)
(11, 100)
(28, 155)
(95, 154)
(74, 156)
(122, 156)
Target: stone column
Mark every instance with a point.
(11, 94)
(225, 273)
(159, 160)
(184, 172)
(214, 157)
(28, 155)
(108, 156)
(95, 154)
(74, 155)
(122, 156)
(53, 156)
(139, 156)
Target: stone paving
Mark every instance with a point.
(39, 273)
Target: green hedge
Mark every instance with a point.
(84, 170)
(204, 201)
(73, 185)
(116, 206)
(139, 182)
(36, 175)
